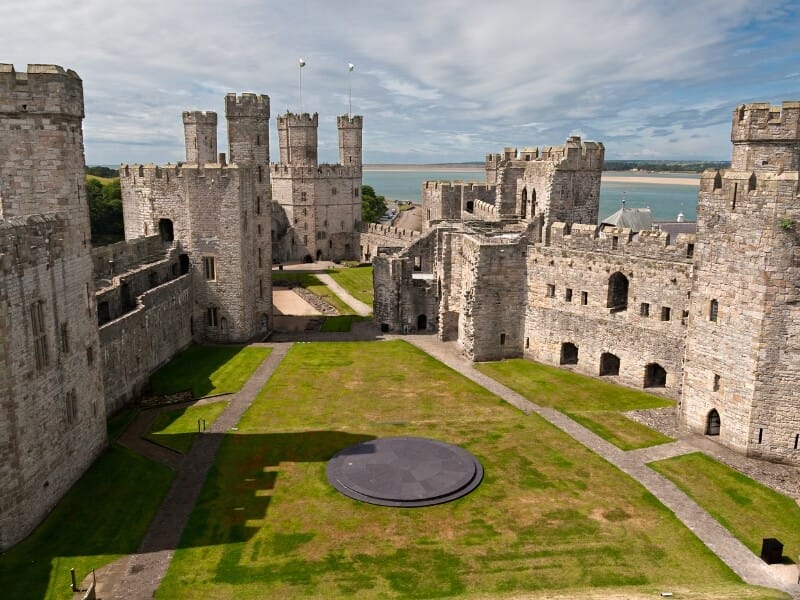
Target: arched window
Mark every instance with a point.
(470, 206)
(609, 364)
(717, 181)
(655, 376)
(569, 354)
(533, 202)
(713, 309)
(524, 203)
(751, 183)
(713, 422)
(617, 292)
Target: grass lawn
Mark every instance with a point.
(357, 281)
(208, 370)
(177, 429)
(594, 404)
(342, 323)
(316, 287)
(749, 510)
(103, 180)
(102, 518)
(549, 515)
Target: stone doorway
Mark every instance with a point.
(609, 364)
(569, 354)
(655, 376)
(713, 422)
(422, 323)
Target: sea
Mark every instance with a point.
(665, 200)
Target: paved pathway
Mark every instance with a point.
(143, 571)
(357, 305)
(729, 549)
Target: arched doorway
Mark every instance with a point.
(165, 230)
(609, 364)
(655, 376)
(617, 292)
(319, 254)
(569, 354)
(712, 422)
(422, 323)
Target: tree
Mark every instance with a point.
(372, 205)
(105, 210)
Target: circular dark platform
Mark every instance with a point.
(404, 471)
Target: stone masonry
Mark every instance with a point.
(52, 411)
(517, 266)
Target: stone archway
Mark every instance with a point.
(655, 376)
(422, 323)
(713, 422)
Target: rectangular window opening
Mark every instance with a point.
(39, 335)
(584, 298)
(568, 295)
(716, 382)
(210, 268)
(665, 313)
(644, 309)
(502, 339)
(689, 250)
(212, 316)
(760, 434)
(551, 290)
(64, 338)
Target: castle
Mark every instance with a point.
(512, 267)
(518, 267)
(82, 328)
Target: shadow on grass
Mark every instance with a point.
(247, 468)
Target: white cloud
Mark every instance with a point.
(471, 72)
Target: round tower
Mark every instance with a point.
(297, 137)
(200, 132)
(350, 139)
(248, 128)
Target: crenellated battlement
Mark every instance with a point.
(199, 117)
(284, 171)
(451, 186)
(763, 122)
(621, 241)
(246, 105)
(574, 153)
(391, 231)
(347, 121)
(42, 89)
(136, 174)
(298, 120)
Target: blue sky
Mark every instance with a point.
(436, 81)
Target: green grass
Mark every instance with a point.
(595, 404)
(103, 517)
(342, 323)
(749, 510)
(117, 424)
(316, 287)
(357, 281)
(549, 515)
(103, 180)
(208, 370)
(177, 428)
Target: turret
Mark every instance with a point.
(200, 131)
(248, 128)
(350, 139)
(766, 137)
(297, 137)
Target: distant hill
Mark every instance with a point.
(651, 166)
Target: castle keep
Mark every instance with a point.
(317, 206)
(518, 267)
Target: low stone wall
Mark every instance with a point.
(140, 341)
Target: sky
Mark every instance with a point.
(436, 81)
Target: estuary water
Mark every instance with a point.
(672, 194)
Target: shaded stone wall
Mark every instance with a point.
(375, 236)
(137, 343)
(52, 415)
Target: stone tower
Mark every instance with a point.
(742, 360)
(350, 140)
(52, 414)
(200, 133)
(297, 138)
(248, 145)
(317, 206)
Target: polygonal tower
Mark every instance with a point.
(200, 134)
(350, 140)
(297, 138)
(52, 410)
(742, 359)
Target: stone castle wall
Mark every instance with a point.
(52, 415)
(375, 236)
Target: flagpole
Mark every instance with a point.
(350, 68)
(302, 64)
